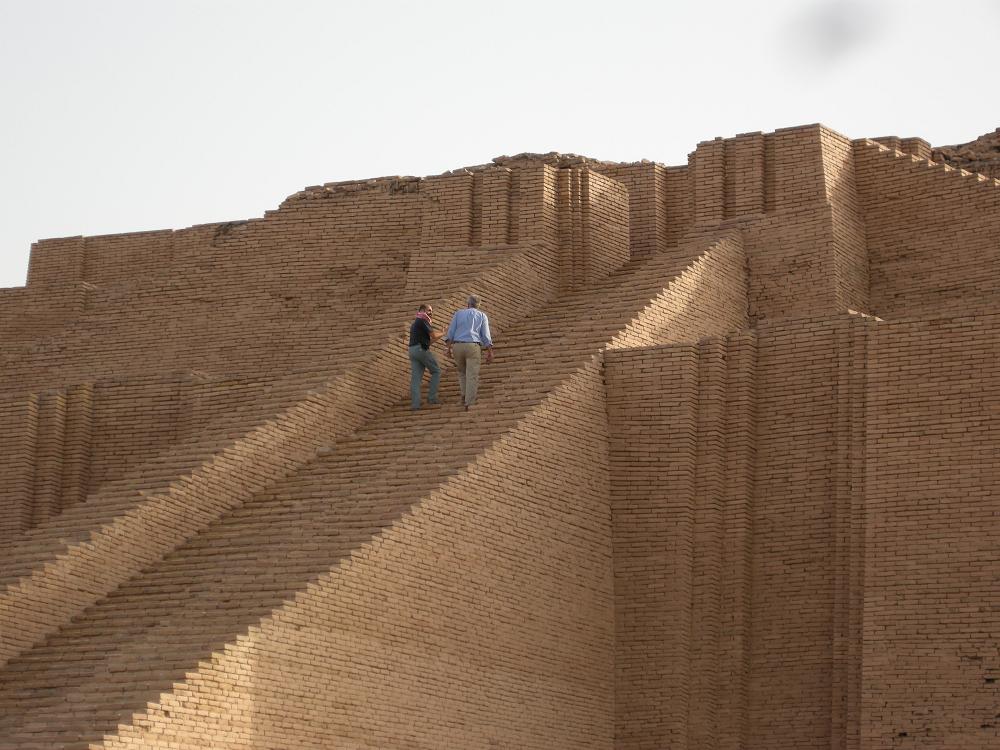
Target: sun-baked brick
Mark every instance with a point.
(730, 481)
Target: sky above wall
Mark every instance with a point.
(123, 116)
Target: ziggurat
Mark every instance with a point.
(731, 481)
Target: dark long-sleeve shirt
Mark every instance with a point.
(420, 333)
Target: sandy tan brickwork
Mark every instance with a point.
(915, 211)
(931, 659)
(635, 308)
(731, 481)
(107, 545)
(744, 602)
(657, 681)
(492, 611)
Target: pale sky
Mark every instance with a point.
(129, 115)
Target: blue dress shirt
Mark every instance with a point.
(469, 326)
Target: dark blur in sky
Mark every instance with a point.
(825, 34)
(123, 116)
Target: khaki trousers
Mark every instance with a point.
(468, 357)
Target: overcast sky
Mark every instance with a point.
(140, 114)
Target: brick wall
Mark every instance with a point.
(211, 474)
(737, 486)
(772, 527)
(646, 187)
(482, 619)
(18, 439)
(46, 456)
(913, 146)
(932, 234)
(755, 173)
(847, 600)
(539, 648)
(294, 289)
(652, 531)
(802, 550)
(314, 285)
(232, 305)
(793, 195)
(678, 203)
(790, 256)
(79, 438)
(847, 225)
(593, 226)
(710, 296)
(28, 313)
(681, 517)
(931, 597)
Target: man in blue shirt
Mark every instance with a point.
(468, 334)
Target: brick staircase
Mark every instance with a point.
(931, 234)
(251, 555)
(69, 562)
(894, 154)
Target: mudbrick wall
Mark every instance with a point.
(731, 481)
(919, 213)
(930, 656)
(742, 588)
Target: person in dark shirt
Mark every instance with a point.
(422, 335)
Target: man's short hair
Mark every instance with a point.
(422, 308)
(473, 301)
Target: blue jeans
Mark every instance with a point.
(421, 359)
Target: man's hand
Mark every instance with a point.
(489, 356)
(447, 351)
